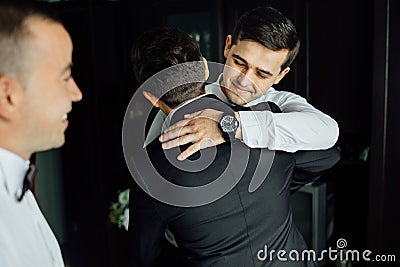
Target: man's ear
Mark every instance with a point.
(281, 75)
(228, 43)
(157, 102)
(206, 70)
(8, 96)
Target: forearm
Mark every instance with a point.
(310, 165)
(289, 132)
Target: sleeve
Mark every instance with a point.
(146, 230)
(300, 126)
(310, 165)
(5, 259)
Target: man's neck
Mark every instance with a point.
(184, 103)
(193, 96)
(13, 149)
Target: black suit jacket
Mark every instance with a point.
(232, 230)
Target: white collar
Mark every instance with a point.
(12, 171)
(167, 121)
(215, 89)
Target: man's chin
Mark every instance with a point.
(61, 143)
(57, 144)
(235, 99)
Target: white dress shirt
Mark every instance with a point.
(25, 236)
(300, 126)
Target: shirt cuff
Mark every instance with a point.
(258, 129)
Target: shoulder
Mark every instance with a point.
(278, 96)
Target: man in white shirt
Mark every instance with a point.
(36, 94)
(258, 54)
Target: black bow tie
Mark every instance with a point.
(29, 179)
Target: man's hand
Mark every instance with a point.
(200, 128)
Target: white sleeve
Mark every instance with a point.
(300, 126)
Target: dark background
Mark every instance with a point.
(347, 65)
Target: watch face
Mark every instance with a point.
(229, 123)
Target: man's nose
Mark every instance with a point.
(244, 77)
(75, 92)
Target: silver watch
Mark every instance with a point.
(228, 125)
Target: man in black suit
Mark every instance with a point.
(234, 228)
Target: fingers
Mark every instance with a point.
(196, 147)
(175, 130)
(197, 131)
(208, 113)
(182, 140)
(192, 115)
(189, 151)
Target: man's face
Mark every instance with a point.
(50, 90)
(250, 70)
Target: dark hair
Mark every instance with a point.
(162, 48)
(15, 35)
(270, 28)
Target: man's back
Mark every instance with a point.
(234, 228)
(229, 231)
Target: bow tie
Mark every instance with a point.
(271, 106)
(29, 179)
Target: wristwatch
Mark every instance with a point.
(228, 125)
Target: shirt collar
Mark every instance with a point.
(12, 171)
(215, 89)
(167, 122)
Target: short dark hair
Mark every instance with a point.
(269, 27)
(162, 48)
(15, 35)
